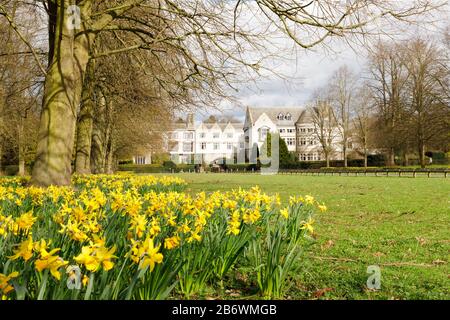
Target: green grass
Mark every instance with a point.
(400, 224)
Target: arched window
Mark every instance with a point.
(288, 116)
(280, 116)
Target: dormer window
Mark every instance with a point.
(288, 116)
(280, 116)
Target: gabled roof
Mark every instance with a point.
(296, 113)
(222, 126)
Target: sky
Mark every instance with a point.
(306, 71)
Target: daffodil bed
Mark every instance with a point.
(141, 237)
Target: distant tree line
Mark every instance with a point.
(400, 107)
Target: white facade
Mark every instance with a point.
(205, 142)
(212, 140)
(296, 128)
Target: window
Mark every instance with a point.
(229, 146)
(187, 147)
(216, 146)
(302, 130)
(140, 160)
(311, 142)
(310, 130)
(310, 157)
(174, 135)
(202, 135)
(263, 133)
(229, 135)
(290, 130)
(241, 145)
(280, 116)
(303, 141)
(282, 130)
(290, 141)
(203, 146)
(188, 135)
(288, 116)
(216, 135)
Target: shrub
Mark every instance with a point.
(169, 164)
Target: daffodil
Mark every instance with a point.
(26, 221)
(93, 257)
(24, 250)
(322, 207)
(49, 261)
(308, 225)
(5, 286)
(146, 254)
(285, 213)
(309, 199)
(172, 242)
(138, 224)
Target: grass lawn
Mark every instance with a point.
(399, 224)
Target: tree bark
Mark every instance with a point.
(391, 158)
(110, 157)
(99, 142)
(85, 125)
(422, 154)
(21, 148)
(365, 157)
(344, 151)
(62, 95)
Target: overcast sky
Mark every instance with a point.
(307, 71)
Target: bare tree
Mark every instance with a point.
(363, 119)
(342, 89)
(429, 116)
(325, 127)
(19, 91)
(388, 82)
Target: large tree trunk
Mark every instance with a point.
(110, 157)
(99, 142)
(391, 158)
(62, 94)
(1, 156)
(422, 154)
(85, 125)
(344, 151)
(327, 158)
(21, 148)
(365, 157)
